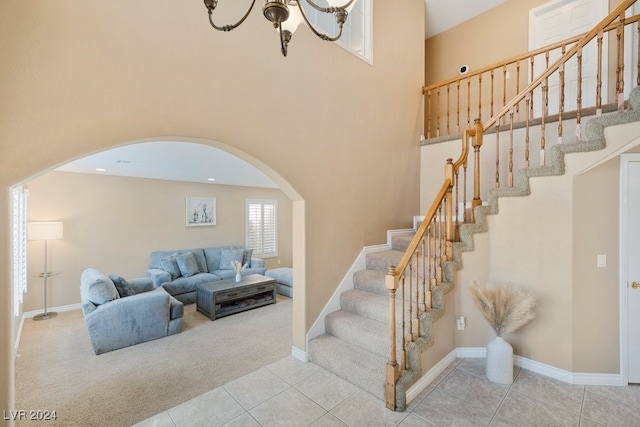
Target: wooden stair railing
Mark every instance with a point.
(421, 268)
(480, 93)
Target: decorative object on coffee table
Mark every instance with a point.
(238, 267)
(225, 297)
(506, 308)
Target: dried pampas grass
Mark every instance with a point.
(505, 307)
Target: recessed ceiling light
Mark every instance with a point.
(211, 179)
(101, 169)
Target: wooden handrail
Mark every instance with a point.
(521, 57)
(563, 59)
(421, 267)
(437, 125)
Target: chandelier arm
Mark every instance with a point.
(329, 9)
(233, 26)
(316, 32)
(283, 43)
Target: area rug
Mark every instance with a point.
(57, 369)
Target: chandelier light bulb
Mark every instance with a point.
(294, 20)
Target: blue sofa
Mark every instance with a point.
(179, 273)
(130, 313)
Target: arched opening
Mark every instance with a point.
(296, 225)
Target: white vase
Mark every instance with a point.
(499, 361)
(238, 277)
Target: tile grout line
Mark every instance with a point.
(584, 395)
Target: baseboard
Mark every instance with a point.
(528, 364)
(576, 378)
(60, 309)
(432, 374)
(301, 355)
(18, 338)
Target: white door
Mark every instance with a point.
(557, 21)
(630, 262)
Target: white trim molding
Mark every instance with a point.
(301, 355)
(60, 309)
(523, 362)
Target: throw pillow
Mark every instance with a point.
(246, 257)
(122, 286)
(228, 256)
(96, 287)
(187, 264)
(170, 265)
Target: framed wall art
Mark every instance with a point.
(201, 211)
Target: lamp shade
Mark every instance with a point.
(44, 230)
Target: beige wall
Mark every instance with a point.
(596, 231)
(338, 135)
(497, 34)
(113, 223)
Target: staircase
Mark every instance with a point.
(367, 341)
(355, 346)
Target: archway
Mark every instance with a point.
(297, 224)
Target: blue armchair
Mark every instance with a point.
(141, 314)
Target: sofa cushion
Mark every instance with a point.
(170, 265)
(228, 256)
(122, 286)
(184, 285)
(198, 253)
(187, 264)
(97, 288)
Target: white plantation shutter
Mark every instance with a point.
(262, 233)
(19, 245)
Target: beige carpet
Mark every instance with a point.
(57, 369)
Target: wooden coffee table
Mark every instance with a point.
(225, 297)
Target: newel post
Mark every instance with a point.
(393, 373)
(449, 233)
(477, 143)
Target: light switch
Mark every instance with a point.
(602, 261)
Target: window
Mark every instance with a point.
(19, 245)
(356, 32)
(262, 230)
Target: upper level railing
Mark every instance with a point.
(453, 104)
(411, 282)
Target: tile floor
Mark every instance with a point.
(292, 393)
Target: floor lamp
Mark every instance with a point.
(45, 231)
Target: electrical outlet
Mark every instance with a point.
(461, 322)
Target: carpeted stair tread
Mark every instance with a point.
(382, 260)
(400, 242)
(354, 364)
(370, 281)
(369, 334)
(367, 304)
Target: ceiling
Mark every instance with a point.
(444, 14)
(175, 161)
(181, 161)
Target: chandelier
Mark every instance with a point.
(286, 15)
